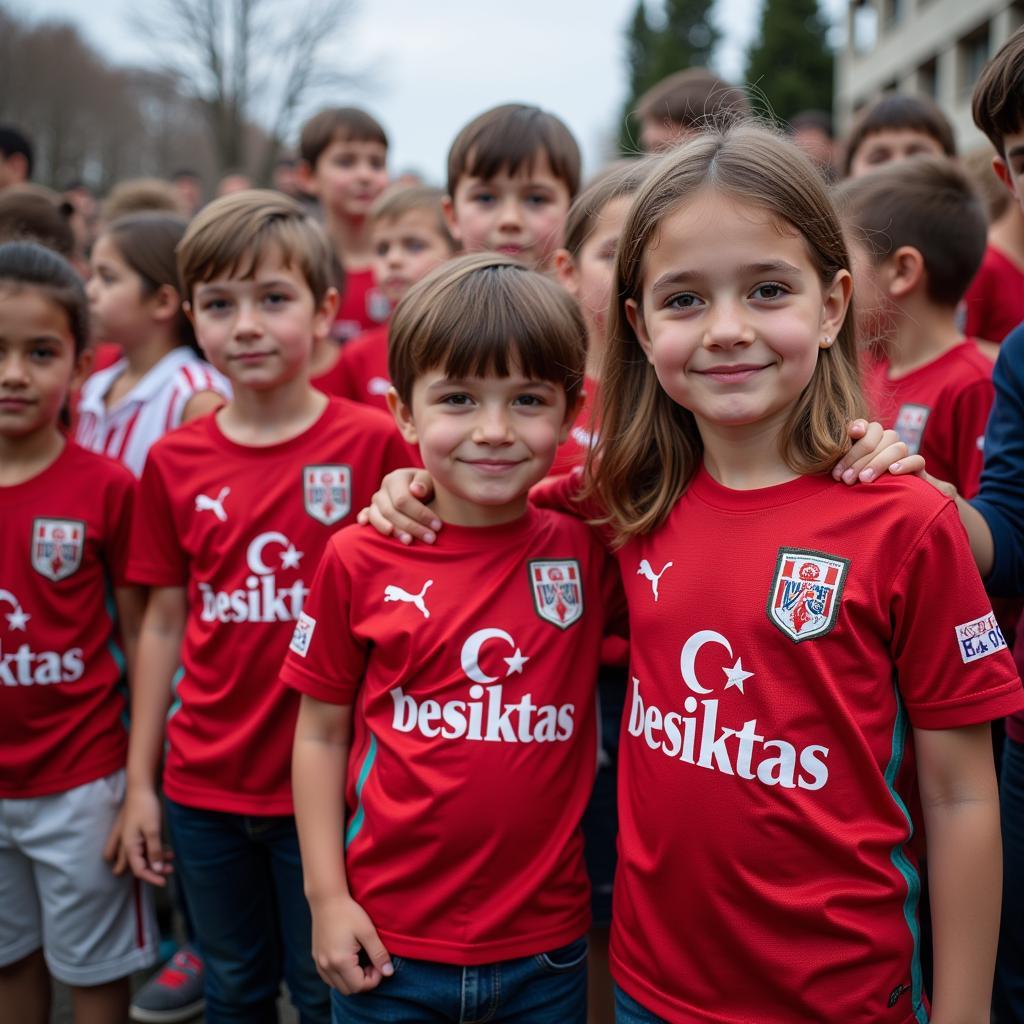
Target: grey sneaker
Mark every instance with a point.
(174, 993)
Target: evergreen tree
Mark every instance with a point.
(682, 36)
(790, 64)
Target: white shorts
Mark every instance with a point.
(57, 892)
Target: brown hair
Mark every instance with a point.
(509, 137)
(338, 124)
(147, 243)
(33, 213)
(480, 314)
(978, 165)
(140, 195)
(998, 102)
(622, 178)
(231, 235)
(694, 98)
(649, 447)
(929, 204)
(894, 111)
(397, 201)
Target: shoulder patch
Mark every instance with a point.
(302, 635)
(806, 592)
(979, 638)
(910, 424)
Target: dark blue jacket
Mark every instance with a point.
(1001, 498)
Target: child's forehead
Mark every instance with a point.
(343, 141)
(256, 265)
(419, 218)
(532, 167)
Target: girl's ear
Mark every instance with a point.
(166, 302)
(403, 417)
(836, 303)
(635, 316)
(448, 209)
(565, 270)
(83, 367)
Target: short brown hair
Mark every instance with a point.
(232, 234)
(929, 204)
(978, 166)
(694, 98)
(34, 213)
(623, 178)
(649, 447)
(397, 201)
(480, 314)
(894, 111)
(139, 195)
(338, 124)
(509, 137)
(998, 102)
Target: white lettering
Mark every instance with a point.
(25, 667)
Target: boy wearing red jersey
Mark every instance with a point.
(512, 173)
(917, 234)
(234, 511)
(448, 691)
(409, 237)
(344, 164)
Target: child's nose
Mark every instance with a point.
(492, 426)
(247, 321)
(726, 326)
(510, 214)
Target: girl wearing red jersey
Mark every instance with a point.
(160, 381)
(812, 667)
(63, 525)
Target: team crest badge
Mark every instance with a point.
(910, 423)
(327, 492)
(557, 591)
(57, 546)
(806, 591)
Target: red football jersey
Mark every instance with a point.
(939, 410)
(243, 529)
(995, 298)
(785, 643)
(471, 665)
(61, 667)
(362, 306)
(363, 368)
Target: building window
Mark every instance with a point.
(974, 51)
(928, 79)
(892, 13)
(864, 26)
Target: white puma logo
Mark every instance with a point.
(648, 573)
(204, 503)
(393, 593)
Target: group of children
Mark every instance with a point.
(616, 439)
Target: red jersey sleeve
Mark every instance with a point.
(970, 417)
(325, 659)
(155, 557)
(952, 663)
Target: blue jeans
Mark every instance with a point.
(243, 878)
(1008, 997)
(629, 1011)
(549, 988)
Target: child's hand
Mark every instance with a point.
(342, 931)
(876, 452)
(140, 837)
(114, 852)
(397, 507)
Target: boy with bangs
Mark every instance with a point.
(344, 154)
(512, 174)
(917, 237)
(447, 722)
(409, 237)
(233, 513)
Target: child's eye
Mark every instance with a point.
(538, 199)
(458, 399)
(685, 300)
(43, 353)
(214, 305)
(484, 198)
(770, 290)
(415, 245)
(275, 298)
(531, 401)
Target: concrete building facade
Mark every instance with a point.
(934, 47)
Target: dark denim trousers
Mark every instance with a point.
(242, 875)
(1008, 998)
(549, 988)
(629, 1011)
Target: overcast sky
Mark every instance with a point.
(436, 63)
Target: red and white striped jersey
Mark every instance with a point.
(127, 430)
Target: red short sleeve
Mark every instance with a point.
(156, 557)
